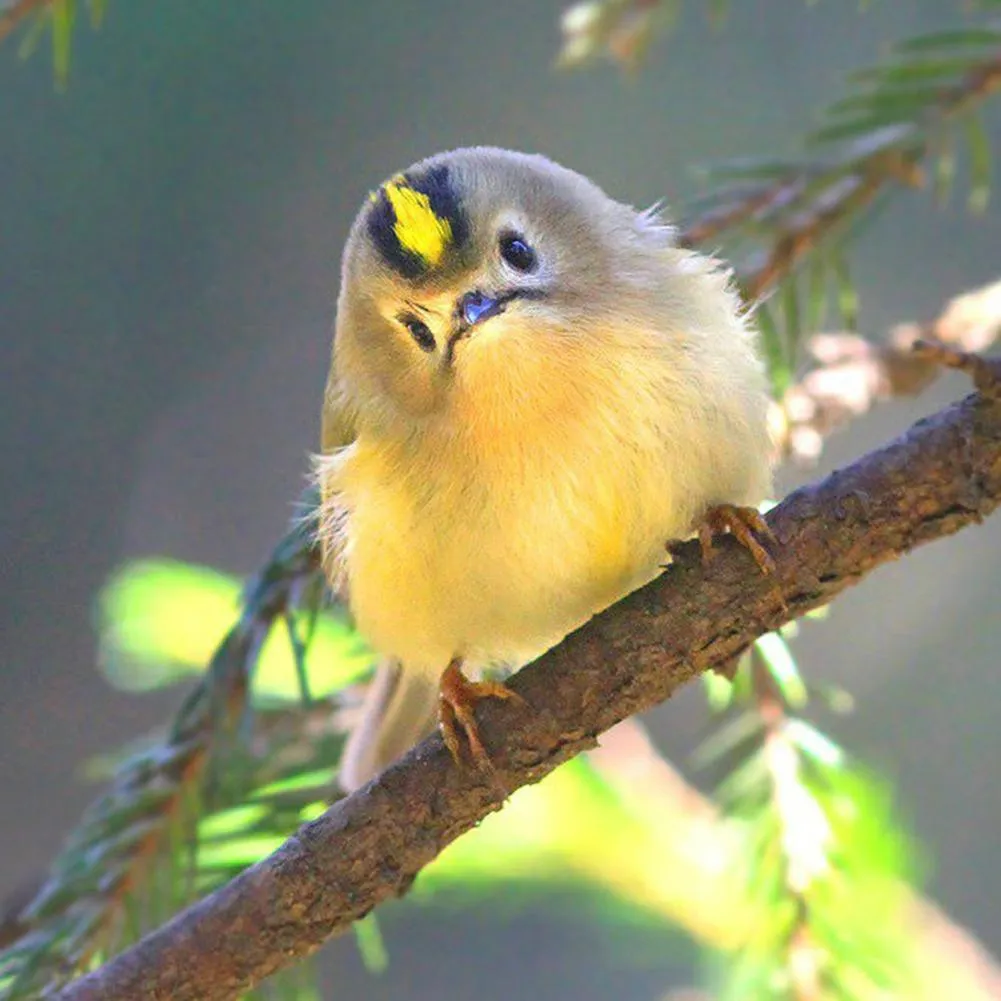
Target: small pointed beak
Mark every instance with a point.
(474, 307)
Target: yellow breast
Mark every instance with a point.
(497, 534)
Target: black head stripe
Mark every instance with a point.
(438, 184)
(416, 220)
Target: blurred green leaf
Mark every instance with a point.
(371, 945)
(913, 69)
(160, 621)
(746, 787)
(719, 690)
(814, 744)
(774, 347)
(847, 295)
(98, 9)
(980, 163)
(953, 39)
(727, 738)
(744, 168)
(62, 14)
(945, 173)
(861, 126)
(31, 36)
(816, 307)
(778, 658)
(792, 320)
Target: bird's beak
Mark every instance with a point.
(475, 307)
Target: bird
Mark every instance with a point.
(533, 389)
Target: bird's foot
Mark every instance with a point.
(457, 698)
(745, 524)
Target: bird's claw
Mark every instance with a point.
(457, 698)
(745, 524)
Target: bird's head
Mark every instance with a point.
(477, 269)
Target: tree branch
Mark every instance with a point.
(851, 374)
(942, 476)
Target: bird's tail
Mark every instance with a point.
(399, 709)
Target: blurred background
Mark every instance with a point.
(169, 236)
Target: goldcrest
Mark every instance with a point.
(532, 390)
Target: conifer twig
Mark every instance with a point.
(131, 826)
(949, 962)
(942, 476)
(13, 14)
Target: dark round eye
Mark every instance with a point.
(420, 332)
(517, 252)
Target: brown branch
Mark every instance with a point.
(943, 475)
(851, 374)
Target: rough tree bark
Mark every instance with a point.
(943, 475)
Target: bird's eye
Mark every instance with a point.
(516, 252)
(420, 332)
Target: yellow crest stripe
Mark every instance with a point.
(417, 227)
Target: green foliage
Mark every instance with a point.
(788, 221)
(131, 861)
(824, 863)
(160, 620)
(58, 18)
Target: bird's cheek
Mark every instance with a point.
(412, 385)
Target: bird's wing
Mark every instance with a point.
(399, 706)
(337, 432)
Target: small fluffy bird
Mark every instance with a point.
(533, 389)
